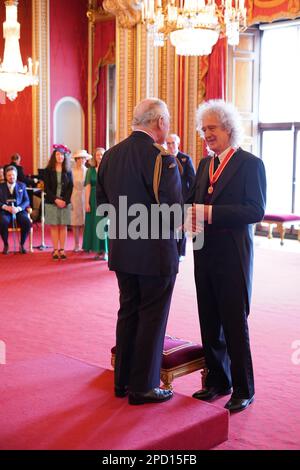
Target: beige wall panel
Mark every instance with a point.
(246, 44)
(243, 77)
(248, 127)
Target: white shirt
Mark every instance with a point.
(11, 187)
(221, 158)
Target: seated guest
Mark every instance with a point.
(2, 179)
(29, 182)
(13, 202)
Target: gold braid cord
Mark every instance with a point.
(158, 169)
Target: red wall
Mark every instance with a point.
(16, 116)
(68, 53)
(68, 73)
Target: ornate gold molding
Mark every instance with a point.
(40, 94)
(109, 58)
(127, 12)
(98, 14)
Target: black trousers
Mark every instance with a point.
(141, 325)
(181, 245)
(22, 221)
(222, 305)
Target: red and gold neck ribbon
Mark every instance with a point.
(214, 176)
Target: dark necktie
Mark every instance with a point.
(216, 162)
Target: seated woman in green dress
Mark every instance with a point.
(58, 189)
(91, 242)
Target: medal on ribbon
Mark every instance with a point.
(214, 176)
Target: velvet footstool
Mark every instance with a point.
(180, 357)
(282, 221)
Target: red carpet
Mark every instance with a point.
(70, 308)
(60, 403)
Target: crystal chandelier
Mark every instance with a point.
(14, 77)
(194, 26)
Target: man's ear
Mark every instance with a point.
(160, 122)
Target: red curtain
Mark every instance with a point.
(267, 11)
(215, 81)
(213, 75)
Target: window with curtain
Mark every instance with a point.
(279, 114)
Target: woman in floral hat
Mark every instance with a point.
(58, 188)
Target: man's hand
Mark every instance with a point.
(8, 208)
(195, 218)
(14, 210)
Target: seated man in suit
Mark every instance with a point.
(29, 182)
(13, 202)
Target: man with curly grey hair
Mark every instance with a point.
(231, 187)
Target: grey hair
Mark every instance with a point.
(228, 116)
(102, 149)
(11, 168)
(147, 111)
(176, 137)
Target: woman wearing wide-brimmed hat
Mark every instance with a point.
(91, 242)
(78, 195)
(58, 188)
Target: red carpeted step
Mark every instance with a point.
(57, 402)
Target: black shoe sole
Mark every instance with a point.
(121, 393)
(237, 410)
(142, 401)
(222, 393)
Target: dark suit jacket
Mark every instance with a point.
(21, 176)
(127, 170)
(238, 201)
(188, 175)
(20, 194)
(50, 180)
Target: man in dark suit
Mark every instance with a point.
(187, 180)
(13, 203)
(16, 162)
(231, 186)
(146, 264)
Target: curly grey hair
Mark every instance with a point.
(228, 116)
(147, 111)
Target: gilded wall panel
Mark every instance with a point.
(40, 94)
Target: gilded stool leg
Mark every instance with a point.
(167, 379)
(204, 373)
(270, 232)
(281, 231)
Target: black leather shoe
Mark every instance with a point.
(5, 250)
(238, 404)
(156, 395)
(211, 393)
(22, 250)
(121, 392)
